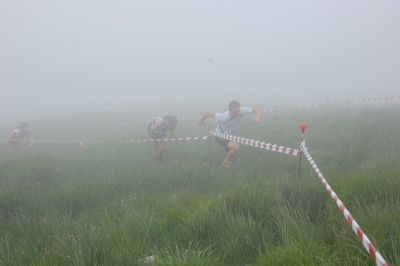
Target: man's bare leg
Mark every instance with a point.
(231, 156)
(163, 149)
(156, 152)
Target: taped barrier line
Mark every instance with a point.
(126, 124)
(334, 102)
(144, 122)
(257, 143)
(280, 109)
(266, 110)
(374, 99)
(53, 126)
(300, 106)
(373, 252)
(110, 141)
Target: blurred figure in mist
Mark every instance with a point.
(19, 138)
(158, 129)
(228, 124)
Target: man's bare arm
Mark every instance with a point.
(205, 116)
(257, 111)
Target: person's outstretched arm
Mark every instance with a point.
(205, 116)
(257, 111)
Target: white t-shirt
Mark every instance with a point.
(227, 124)
(17, 134)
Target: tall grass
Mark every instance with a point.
(108, 204)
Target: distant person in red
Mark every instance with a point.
(158, 129)
(18, 137)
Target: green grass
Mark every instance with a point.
(107, 204)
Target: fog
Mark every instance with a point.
(68, 57)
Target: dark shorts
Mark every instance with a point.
(223, 142)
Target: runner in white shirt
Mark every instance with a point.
(228, 124)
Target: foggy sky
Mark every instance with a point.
(66, 57)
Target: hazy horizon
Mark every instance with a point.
(62, 58)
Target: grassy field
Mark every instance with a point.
(107, 204)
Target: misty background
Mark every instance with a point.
(69, 57)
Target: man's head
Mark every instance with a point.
(24, 126)
(234, 108)
(172, 121)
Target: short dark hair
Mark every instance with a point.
(24, 124)
(172, 119)
(233, 104)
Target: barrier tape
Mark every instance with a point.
(266, 110)
(53, 126)
(335, 102)
(126, 124)
(373, 252)
(144, 122)
(375, 99)
(300, 106)
(110, 141)
(257, 143)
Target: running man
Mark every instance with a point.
(228, 124)
(158, 129)
(18, 137)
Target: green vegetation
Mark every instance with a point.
(107, 204)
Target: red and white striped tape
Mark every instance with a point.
(257, 143)
(53, 126)
(266, 110)
(126, 124)
(144, 122)
(373, 252)
(111, 141)
(299, 106)
(374, 99)
(334, 102)
(284, 108)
